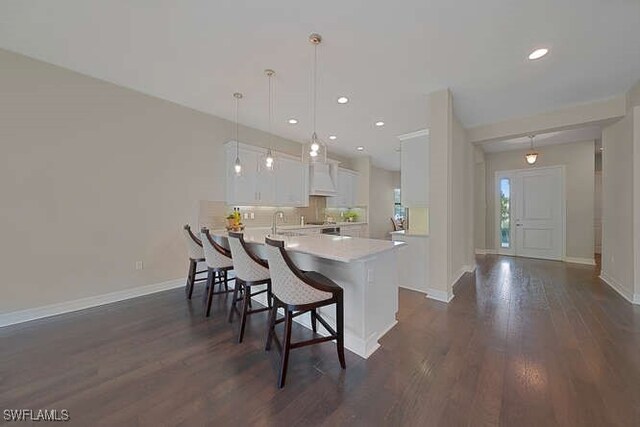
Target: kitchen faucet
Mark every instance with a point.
(274, 224)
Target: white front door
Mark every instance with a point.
(531, 212)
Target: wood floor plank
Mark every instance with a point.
(524, 342)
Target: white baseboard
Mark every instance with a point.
(585, 261)
(486, 252)
(21, 316)
(422, 291)
(617, 286)
(439, 295)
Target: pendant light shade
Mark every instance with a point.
(316, 150)
(532, 156)
(268, 161)
(237, 166)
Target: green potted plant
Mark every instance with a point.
(351, 216)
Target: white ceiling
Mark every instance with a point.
(589, 133)
(384, 55)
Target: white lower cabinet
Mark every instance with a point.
(359, 230)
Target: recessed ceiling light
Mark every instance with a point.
(361, 148)
(293, 121)
(343, 100)
(538, 53)
(333, 137)
(379, 124)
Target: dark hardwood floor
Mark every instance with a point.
(524, 342)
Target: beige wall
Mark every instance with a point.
(480, 199)
(462, 203)
(621, 199)
(95, 177)
(451, 199)
(565, 118)
(381, 202)
(617, 205)
(579, 159)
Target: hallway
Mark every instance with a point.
(527, 342)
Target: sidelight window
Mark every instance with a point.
(505, 213)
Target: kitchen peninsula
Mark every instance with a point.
(366, 269)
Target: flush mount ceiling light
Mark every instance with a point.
(293, 121)
(380, 123)
(237, 166)
(316, 150)
(532, 156)
(343, 100)
(333, 137)
(361, 148)
(538, 53)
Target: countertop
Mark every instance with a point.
(404, 233)
(285, 226)
(336, 248)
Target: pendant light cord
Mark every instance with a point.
(237, 142)
(315, 86)
(270, 109)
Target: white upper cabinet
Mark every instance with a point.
(292, 182)
(414, 169)
(347, 188)
(286, 185)
(241, 190)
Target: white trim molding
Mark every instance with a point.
(27, 315)
(617, 286)
(416, 134)
(422, 291)
(576, 260)
(438, 295)
(486, 251)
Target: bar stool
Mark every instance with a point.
(299, 292)
(250, 271)
(196, 255)
(219, 262)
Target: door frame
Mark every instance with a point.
(511, 251)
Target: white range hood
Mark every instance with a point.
(323, 178)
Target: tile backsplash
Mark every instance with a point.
(213, 214)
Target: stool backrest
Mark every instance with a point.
(287, 281)
(248, 267)
(194, 245)
(215, 255)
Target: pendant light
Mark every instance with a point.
(532, 155)
(237, 167)
(268, 159)
(316, 150)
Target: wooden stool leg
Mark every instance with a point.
(245, 307)
(340, 332)
(190, 278)
(314, 321)
(272, 325)
(234, 300)
(286, 346)
(210, 283)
